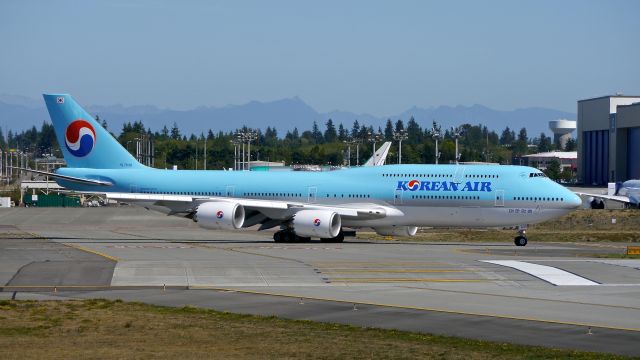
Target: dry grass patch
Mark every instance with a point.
(578, 226)
(113, 329)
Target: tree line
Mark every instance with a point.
(318, 145)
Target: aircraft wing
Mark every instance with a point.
(620, 198)
(271, 209)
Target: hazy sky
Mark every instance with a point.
(379, 57)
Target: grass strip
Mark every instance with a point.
(114, 329)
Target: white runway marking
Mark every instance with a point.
(549, 274)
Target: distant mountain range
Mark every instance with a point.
(18, 113)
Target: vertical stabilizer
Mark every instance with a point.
(380, 156)
(84, 142)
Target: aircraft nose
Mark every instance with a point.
(574, 200)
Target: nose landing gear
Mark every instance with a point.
(521, 239)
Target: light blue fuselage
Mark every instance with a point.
(441, 195)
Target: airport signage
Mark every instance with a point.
(469, 186)
(633, 250)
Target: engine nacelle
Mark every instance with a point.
(317, 223)
(220, 215)
(397, 230)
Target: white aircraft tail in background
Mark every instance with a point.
(380, 156)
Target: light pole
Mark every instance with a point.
(251, 135)
(235, 153)
(457, 133)
(435, 134)
(349, 141)
(373, 138)
(399, 136)
(239, 138)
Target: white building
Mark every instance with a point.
(567, 159)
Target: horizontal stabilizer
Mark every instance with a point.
(66, 177)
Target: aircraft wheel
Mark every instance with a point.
(520, 241)
(302, 239)
(337, 239)
(288, 237)
(277, 236)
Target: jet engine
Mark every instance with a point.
(317, 223)
(397, 230)
(220, 215)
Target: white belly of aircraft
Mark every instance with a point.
(464, 217)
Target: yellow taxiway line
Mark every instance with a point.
(91, 251)
(390, 271)
(390, 280)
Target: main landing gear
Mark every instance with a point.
(521, 239)
(289, 236)
(337, 239)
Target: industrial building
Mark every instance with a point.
(608, 139)
(566, 159)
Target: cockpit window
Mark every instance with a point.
(540, 174)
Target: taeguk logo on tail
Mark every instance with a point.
(80, 138)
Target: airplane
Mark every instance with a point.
(394, 200)
(627, 192)
(379, 157)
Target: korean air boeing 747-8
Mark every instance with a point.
(392, 199)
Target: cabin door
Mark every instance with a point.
(397, 197)
(459, 175)
(499, 197)
(313, 191)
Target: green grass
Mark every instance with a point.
(115, 329)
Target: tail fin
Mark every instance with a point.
(84, 142)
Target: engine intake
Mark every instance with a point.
(317, 223)
(220, 215)
(397, 230)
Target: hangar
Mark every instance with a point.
(608, 139)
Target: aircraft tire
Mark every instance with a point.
(337, 239)
(302, 239)
(288, 237)
(520, 241)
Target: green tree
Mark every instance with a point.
(342, 133)
(570, 145)
(521, 145)
(507, 137)
(553, 169)
(355, 130)
(175, 132)
(414, 132)
(544, 143)
(316, 134)
(330, 134)
(388, 130)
